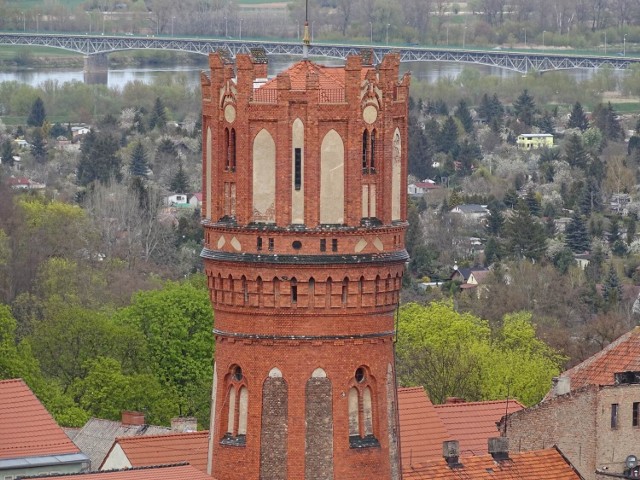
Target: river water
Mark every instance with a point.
(119, 77)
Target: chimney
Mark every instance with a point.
(132, 418)
(184, 424)
(499, 448)
(451, 453)
(454, 400)
(561, 385)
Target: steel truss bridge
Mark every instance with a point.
(519, 61)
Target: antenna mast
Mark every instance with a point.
(306, 40)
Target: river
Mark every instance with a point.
(119, 77)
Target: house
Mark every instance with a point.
(420, 188)
(471, 211)
(181, 471)
(592, 412)
(469, 277)
(31, 442)
(529, 141)
(21, 143)
(23, 183)
(79, 131)
(195, 200)
(146, 451)
(96, 437)
(179, 199)
(546, 464)
(424, 426)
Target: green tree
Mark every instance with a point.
(138, 166)
(37, 116)
(176, 323)
(38, 146)
(414, 235)
(612, 288)
(525, 235)
(606, 119)
(463, 114)
(574, 152)
(577, 118)
(631, 229)
(99, 161)
(495, 221)
(7, 153)
(448, 139)
(546, 123)
(576, 234)
(563, 260)
(158, 116)
(180, 181)
(525, 108)
(533, 203)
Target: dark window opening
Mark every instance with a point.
(636, 414)
(259, 244)
(232, 148)
(334, 244)
(323, 244)
(237, 373)
(365, 151)
(614, 415)
(296, 245)
(345, 290)
(294, 291)
(360, 376)
(372, 163)
(227, 150)
(297, 169)
(271, 244)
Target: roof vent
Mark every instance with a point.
(451, 453)
(499, 448)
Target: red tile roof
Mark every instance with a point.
(191, 447)
(161, 472)
(547, 464)
(421, 430)
(622, 355)
(473, 423)
(26, 427)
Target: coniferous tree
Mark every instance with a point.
(526, 236)
(492, 251)
(510, 198)
(38, 147)
(98, 159)
(613, 235)
(37, 116)
(578, 118)
(576, 234)
(158, 116)
(574, 152)
(525, 108)
(612, 288)
(469, 154)
(7, 153)
(546, 123)
(484, 109)
(414, 235)
(463, 114)
(139, 167)
(631, 229)
(606, 119)
(180, 181)
(495, 221)
(533, 203)
(448, 140)
(594, 270)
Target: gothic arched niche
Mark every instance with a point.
(264, 178)
(332, 179)
(396, 175)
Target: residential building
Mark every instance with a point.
(182, 471)
(304, 213)
(31, 442)
(547, 464)
(471, 211)
(147, 451)
(420, 188)
(530, 141)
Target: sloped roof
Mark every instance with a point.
(421, 430)
(329, 77)
(621, 355)
(97, 436)
(161, 472)
(191, 447)
(548, 464)
(26, 427)
(473, 423)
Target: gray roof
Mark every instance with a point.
(97, 436)
(472, 208)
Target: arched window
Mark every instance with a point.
(276, 291)
(230, 288)
(372, 161)
(365, 151)
(328, 291)
(227, 150)
(376, 292)
(294, 291)
(232, 150)
(360, 290)
(259, 290)
(245, 291)
(345, 290)
(361, 410)
(236, 407)
(312, 291)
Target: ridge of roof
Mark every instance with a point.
(148, 438)
(106, 472)
(478, 403)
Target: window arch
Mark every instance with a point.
(227, 151)
(312, 291)
(372, 158)
(245, 291)
(276, 292)
(345, 290)
(230, 288)
(328, 292)
(365, 151)
(362, 410)
(259, 290)
(236, 407)
(294, 291)
(232, 149)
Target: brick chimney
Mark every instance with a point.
(451, 453)
(499, 448)
(132, 418)
(184, 424)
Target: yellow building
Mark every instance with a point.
(534, 140)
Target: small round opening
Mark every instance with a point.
(360, 375)
(237, 373)
(297, 245)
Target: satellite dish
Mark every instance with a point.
(631, 461)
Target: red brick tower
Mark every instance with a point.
(304, 215)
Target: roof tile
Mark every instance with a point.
(26, 427)
(160, 472)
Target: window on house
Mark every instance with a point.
(294, 290)
(237, 408)
(232, 149)
(372, 162)
(227, 150)
(360, 405)
(614, 415)
(323, 245)
(635, 421)
(334, 244)
(345, 290)
(259, 244)
(365, 151)
(297, 169)
(271, 244)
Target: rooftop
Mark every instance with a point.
(329, 77)
(548, 464)
(144, 451)
(160, 472)
(26, 427)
